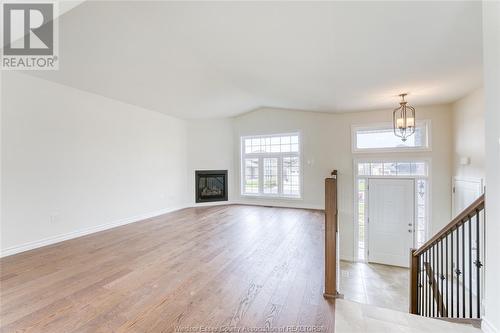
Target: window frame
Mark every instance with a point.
(426, 123)
(261, 156)
(428, 198)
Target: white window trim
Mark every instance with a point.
(356, 177)
(385, 125)
(260, 156)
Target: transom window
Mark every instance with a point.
(270, 165)
(392, 168)
(381, 137)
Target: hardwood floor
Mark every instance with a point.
(218, 266)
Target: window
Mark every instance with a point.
(252, 175)
(270, 175)
(393, 168)
(270, 166)
(421, 189)
(381, 138)
(361, 217)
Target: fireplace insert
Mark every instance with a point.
(211, 185)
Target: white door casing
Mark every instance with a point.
(391, 214)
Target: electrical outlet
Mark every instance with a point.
(345, 273)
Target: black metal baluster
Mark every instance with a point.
(418, 285)
(431, 309)
(441, 301)
(421, 281)
(470, 268)
(424, 271)
(446, 275)
(427, 304)
(478, 267)
(451, 275)
(438, 275)
(463, 270)
(433, 279)
(436, 297)
(457, 271)
(419, 294)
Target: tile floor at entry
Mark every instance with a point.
(375, 284)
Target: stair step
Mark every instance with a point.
(356, 317)
(468, 321)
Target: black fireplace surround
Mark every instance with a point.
(211, 185)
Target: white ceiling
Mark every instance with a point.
(214, 59)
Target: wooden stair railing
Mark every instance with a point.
(446, 271)
(331, 237)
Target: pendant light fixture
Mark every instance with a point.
(403, 119)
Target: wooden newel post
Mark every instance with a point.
(413, 282)
(331, 234)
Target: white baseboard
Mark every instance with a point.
(82, 232)
(214, 203)
(487, 327)
(284, 204)
(90, 230)
(346, 258)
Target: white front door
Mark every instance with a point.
(390, 220)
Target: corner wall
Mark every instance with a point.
(468, 135)
(491, 63)
(75, 163)
(210, 147)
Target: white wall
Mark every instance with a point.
(210, 147)
(74, 161)
(326, 145)
(468, 135)
(317, 155)
(491, 61)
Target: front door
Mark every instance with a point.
(390, 220)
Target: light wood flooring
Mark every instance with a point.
(218, 266)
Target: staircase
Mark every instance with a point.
(352, 317)
(447, 271)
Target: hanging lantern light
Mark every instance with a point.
(403, 119)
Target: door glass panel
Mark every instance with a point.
(270, 185)
(291, 176)
(251, 181)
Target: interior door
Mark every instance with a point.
(465, 191)
(390, 220)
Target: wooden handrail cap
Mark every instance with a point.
(471, 210)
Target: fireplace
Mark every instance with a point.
(211, 185)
